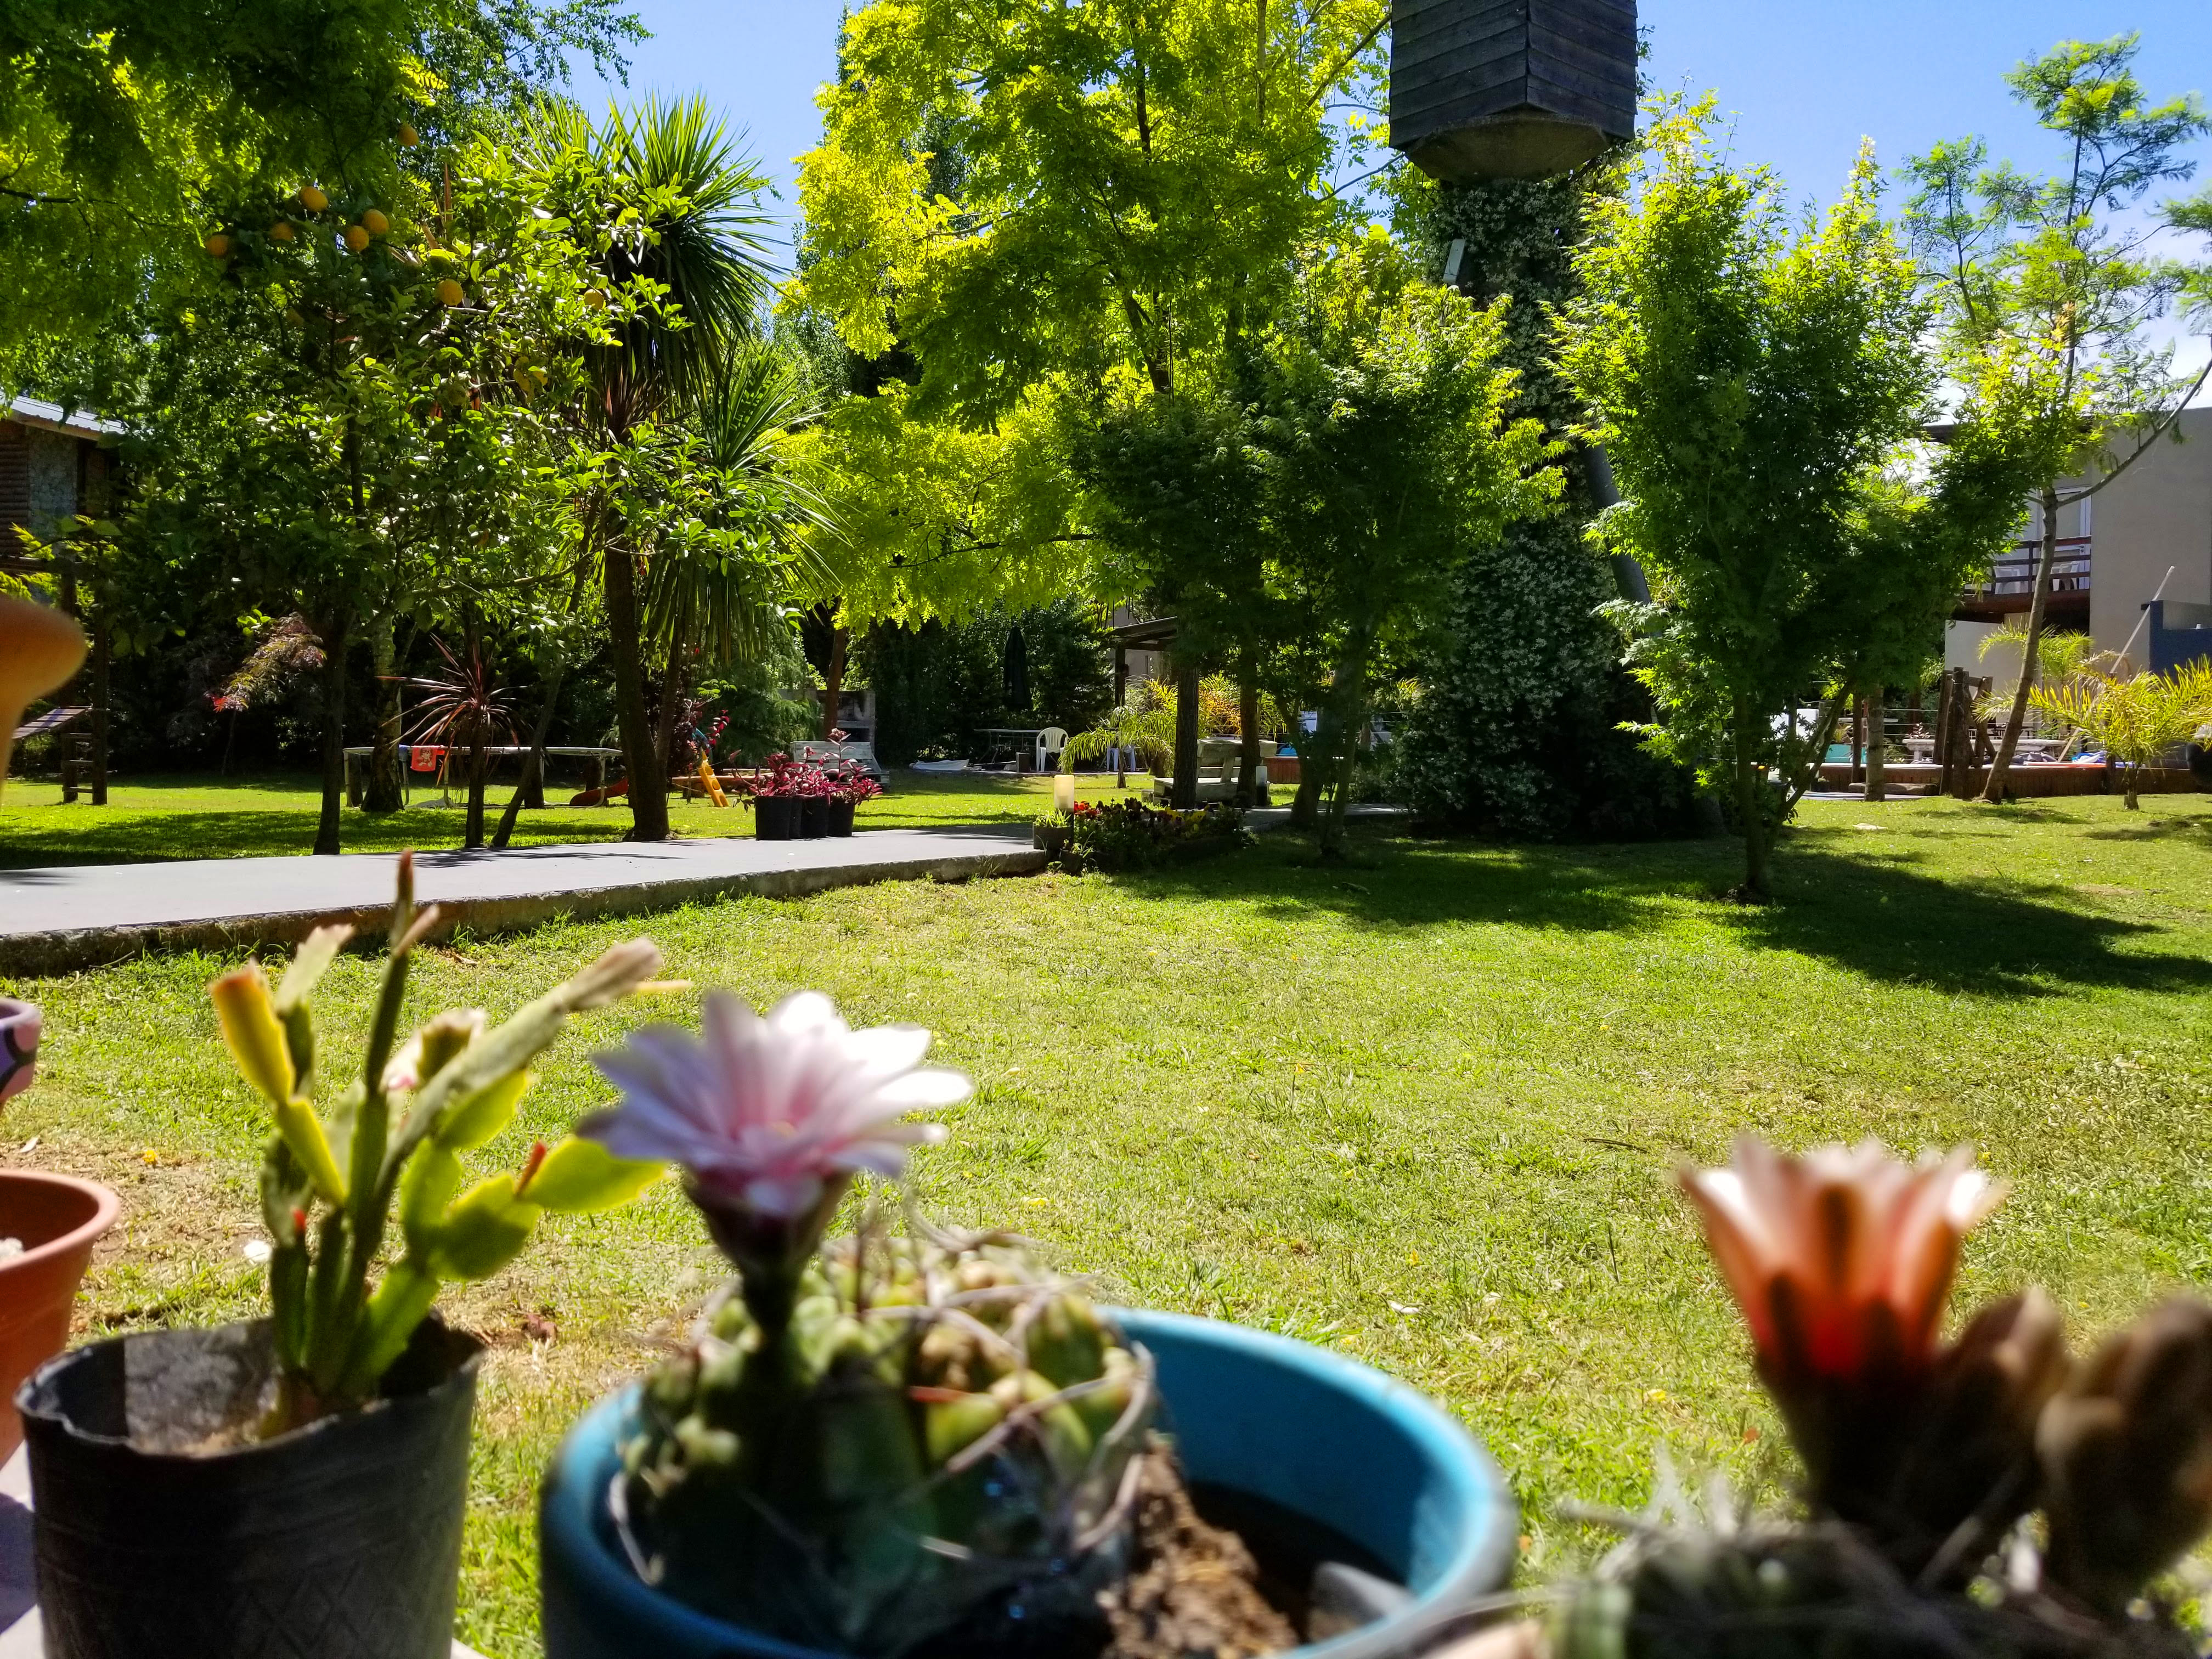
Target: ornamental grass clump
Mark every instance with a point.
(877, 1441)
(1990, 1495)
(347, 1152)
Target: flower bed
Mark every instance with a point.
(1127, 835)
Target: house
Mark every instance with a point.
(2133, 569)
(54, 464)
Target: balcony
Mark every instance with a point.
(2009, 589)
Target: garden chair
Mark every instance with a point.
(1049, 743)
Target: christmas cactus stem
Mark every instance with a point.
(331, 1174)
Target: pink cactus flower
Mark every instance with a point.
(19, 1046)
(771, 1115)
(1842, 1260)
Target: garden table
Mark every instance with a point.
(20, 1637)
(1019, 740)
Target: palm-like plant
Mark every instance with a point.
(723, 587)
(465, 708)
(2135, 719)
(681, 248)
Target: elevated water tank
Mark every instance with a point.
(1510, 89)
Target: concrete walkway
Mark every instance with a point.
(62, 919)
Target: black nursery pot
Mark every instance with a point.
(341, 1539)
(840, 818)
(813, 817)
(775, 818)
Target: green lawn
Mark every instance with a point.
(198, 817)
(1424, 1108)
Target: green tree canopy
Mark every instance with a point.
(1747, 382)
(2063, 271)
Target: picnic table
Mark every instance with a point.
(1020, 742)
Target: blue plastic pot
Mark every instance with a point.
(1331, 1441)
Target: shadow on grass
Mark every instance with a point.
(151, 838)
(1876, 917)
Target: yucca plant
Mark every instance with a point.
(866, 1443)
(346, 1152)
(2135, 719)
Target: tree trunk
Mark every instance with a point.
(334, 634)
(664, 717)
(1247, 720)
(1994, 789)
(1184, 795)
(533, 764)
(1343, 723)
(386, 790)
(1750, 787)
(1876, 784)
(100, 662)
(648, 784)
(833, 681)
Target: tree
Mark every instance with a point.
(1381, 409)
(345, 418)
(671, 215)
(1127, 185)
(124, 121)
(1746, 383)
(2061, 269)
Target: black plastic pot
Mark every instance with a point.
(840, 818)
(775, 818)
(341, 1539)
(813, 816)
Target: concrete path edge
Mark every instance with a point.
(63, 951)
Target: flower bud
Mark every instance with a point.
(255, 1037)
(2127, 1456)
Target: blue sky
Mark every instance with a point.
(1804, 81)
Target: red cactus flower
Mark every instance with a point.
(1841, 1259)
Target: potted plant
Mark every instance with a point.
(48, 1222)
(850, 785)
(1992, 1495)
(776, 794)
(48, 1225)
(928, 1445)
(297, 1483)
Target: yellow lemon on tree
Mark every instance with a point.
(595, 299)
(312, 199)
(282, 230)
(356, 237)
(218, 245)
(377, 224)
(451, 293)
(408, 136)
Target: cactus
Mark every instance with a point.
(332, 1171)
(1926, 1462)
(942, 1430)
(874, 1442)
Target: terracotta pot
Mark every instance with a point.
(58, 1218)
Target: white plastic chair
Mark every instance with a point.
(1050, 742)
